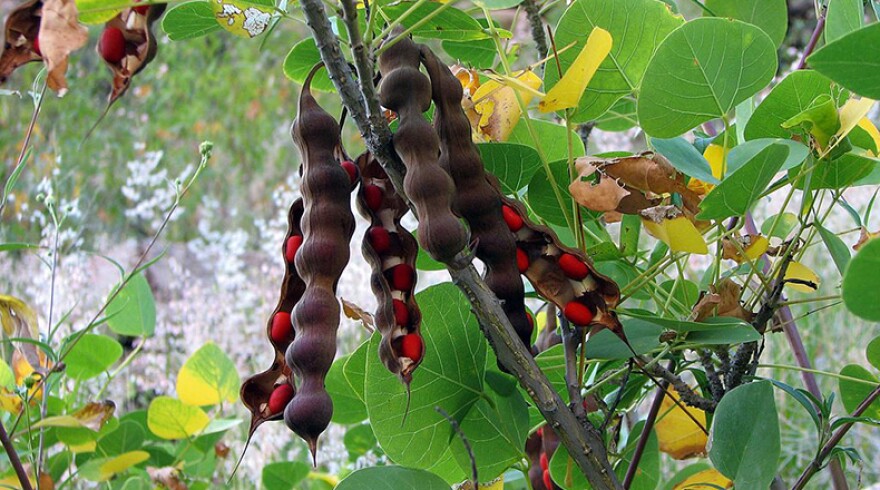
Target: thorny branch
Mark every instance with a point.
(583, 443)
(537, 25)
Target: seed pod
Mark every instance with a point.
(327, 225)
(128, 45)
(257, 391)
(397, 315)
(406, 91)
(22, 28)
(563, 275)
(476, 200)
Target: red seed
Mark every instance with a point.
(112, 45)
(578, 313)
(36, 46)
(142, 9)
(530, 318)
(548, 482)
(352, 170)
(411, 346)
(280, 397)
(293, 244)
(380, 239)
(281, 326)
(512, 218)
(402, 277)
(401, 312)
(522, 260)
(540, 432)
(573, 267)
(543, 462)
(373, 197)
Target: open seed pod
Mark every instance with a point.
(21, 43)
(128, 45)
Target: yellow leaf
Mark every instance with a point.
(208, 377)
(677, 433)
(169, 418)
(869, 127)
(800, 272)
(92, 416)
(497, 484)
(10, 402)
(85, 447)
(18, 319)
(243, 19)
(495, 102)
(757, 248)
(23, 369)
(121, 463)
(709, 479)
(568, 91)
(853, 111)
(541, 320)
(716, 155)
(679, 233)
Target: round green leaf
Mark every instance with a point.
(542, 197)
(701, 72)
(872, 352)
(169, 418)
(743, 153)
(847, 61)
(643, 336)
(738, 191)
(553, 139)
(745, 436)
(862, 281)
(391, 478)
(303, 56)
(189, 20)
(284, 475)
(637, 28)
(99, 11)
(359, 440)
(513, 164)
(133, 311)
(770, 15)
(620, 117)
(208, 377)
(790, 97)
(355, 369)
(91, 356)
(103, 469)
(843, 17)
(449, 24)
(852, 393)
(450, 376)
(348, 408)
(129, 436)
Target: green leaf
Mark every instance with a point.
(513, 164)
(189, 20)
(103, 469)
(738, 191)
(497, 4)
(129, 436)
(11, 247)
(779, 225)
(701, 72)
(303, 56)
(838, 250)
(684, 157)
(208, 377)
(872, 352)
(348, 408)
(843, 17)
(564, 472)
(745, 436)
(542, 197)
(743, 153)
(819, 119)
(284, 475)
(648, 474)
(861, 281)
(794, 94)
(359, 440)
(478, 54)
(91, 356)
(715, 330)
(685, 292)
(852, 393)
(851, 61)
(620, 117)
(99, 11)
(770, 15)
(391, 478)
(552, 137)
(839, 173)
(642, 335)
(7, 378)
(450, 376)
(355, 369)
(450, 24)
(169, 418)
(637, 28)
(133, 310)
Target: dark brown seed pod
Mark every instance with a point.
(406, 91)
(128, 45)
(327, 226)
(563, 275)
(476, 200)
(22, 29)
(397, 315)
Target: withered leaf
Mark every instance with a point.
(60, 34)
(355, 312)
(864, 236)
(746, 248)
(604, 196)
(22, 29)
(722, 300)
(677, 433)
(168, 477)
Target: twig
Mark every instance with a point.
(685, 393)
(24, 147)
(467, 445)
(715, 384)
(814, 39)
(14, 460)
(646, 431)
(829, 446)
(570, 346)
(537, 25)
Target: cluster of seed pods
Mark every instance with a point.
(407, 92)
(476, 200)
(391, 251)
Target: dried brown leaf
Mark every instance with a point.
(722, 300)
(60, 34)
(22, 28)
(355, 312)
(604, 196)
(168, 476)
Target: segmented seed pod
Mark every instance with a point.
(327, 226)
(20, 44)
(406, 91)
(391, 251)
(476, 200)
(127, 45)
(563, 275)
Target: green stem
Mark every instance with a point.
(816, 371)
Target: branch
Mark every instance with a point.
(537, 25)
(829, 446)
(14, 460)
(685, 393)
(646, 431)
(570, 344)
